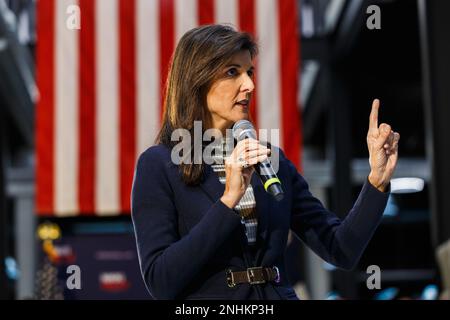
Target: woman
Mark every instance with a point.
(211, 231)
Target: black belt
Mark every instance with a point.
(256, 275)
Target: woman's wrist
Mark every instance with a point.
(381, 186)
(229, 200)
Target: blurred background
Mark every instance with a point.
(80, 98)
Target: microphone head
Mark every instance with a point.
(243, 129)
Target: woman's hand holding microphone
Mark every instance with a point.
(239, 169)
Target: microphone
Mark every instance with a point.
(243, 129)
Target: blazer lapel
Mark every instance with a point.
(214, 189)
(212, 186)
(262, 206)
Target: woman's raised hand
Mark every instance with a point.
(239, 169)
(382, 143)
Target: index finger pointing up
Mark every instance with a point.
(373, 121)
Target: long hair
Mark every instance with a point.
(199, 57)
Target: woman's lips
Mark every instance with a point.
(243, 103)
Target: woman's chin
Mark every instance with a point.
(243, 115)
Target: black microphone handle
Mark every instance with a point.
(243, 129)
(269, 179)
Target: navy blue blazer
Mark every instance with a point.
(187, 238)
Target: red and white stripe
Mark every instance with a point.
(107, 168)
(101, 89)
(66, 123)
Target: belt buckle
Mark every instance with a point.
(230, 279)
(251, 275)
(277, 272)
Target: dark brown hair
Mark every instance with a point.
(199, 57)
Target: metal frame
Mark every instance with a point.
(3, 279)
(435, 49)
(17, 81)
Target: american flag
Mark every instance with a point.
(101, 89)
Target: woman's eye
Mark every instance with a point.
(250, 73)
(232, 72)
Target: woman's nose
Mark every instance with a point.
(247, 84)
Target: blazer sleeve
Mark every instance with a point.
(168, 262)
(339, 242)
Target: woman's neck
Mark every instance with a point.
(221, 130)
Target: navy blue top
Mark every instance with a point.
(187, 238)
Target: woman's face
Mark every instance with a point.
(229, 97)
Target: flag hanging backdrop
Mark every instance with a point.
(101, 89)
